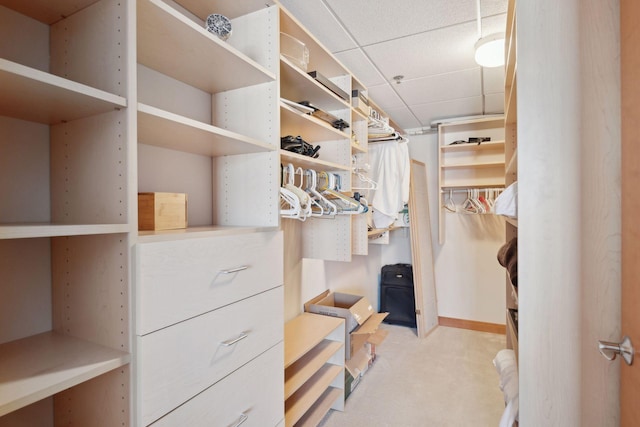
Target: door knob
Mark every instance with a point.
(611, 349)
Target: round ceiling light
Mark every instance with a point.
(490, 50)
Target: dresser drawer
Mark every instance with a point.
(254, 391)
(177, 280)
(176, 363)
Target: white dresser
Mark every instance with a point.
(209, 331)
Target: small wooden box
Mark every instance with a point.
(162, 211)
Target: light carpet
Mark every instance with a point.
(444, 380)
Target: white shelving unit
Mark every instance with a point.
(314, 368)
(469, 165)
(344, 235)
(64, 230)
(207, 297)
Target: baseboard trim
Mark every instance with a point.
(473, 325)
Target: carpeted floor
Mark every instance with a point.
(444, 380)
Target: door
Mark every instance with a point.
(630, 87)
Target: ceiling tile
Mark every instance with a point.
(493, 79)
(493, 7)
(403, 117)
(385, 97)
(494, 103)
(320, 22)
(494, 24)
(459, 84)
(361, 67)
(373, 21)
(427, 113)
(436, 52)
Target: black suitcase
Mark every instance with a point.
(397, 295)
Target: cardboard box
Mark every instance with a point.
(162, 211)
(355, 309)
(361, 321)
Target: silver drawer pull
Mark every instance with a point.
(242, 419)
(234, 270)
(231, 342)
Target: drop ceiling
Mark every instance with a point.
(428, 42)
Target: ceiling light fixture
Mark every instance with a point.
(490, 50)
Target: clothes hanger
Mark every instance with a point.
(329, 207)
(449, 204)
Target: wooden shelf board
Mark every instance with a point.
(304, 368)
(197, 232)
(35, 230)
(39, 366)
(360, 148)
(358, 115)
(313, 417)
(231, 9)
(474, 121)
(485, 146)
(308, 162)
(304, 332)
(473, 184)
(34, 95)
(47, 11)
(511, 221)
(320, 58)
(297, 405)
(475, 165)
(297, 86)
(164, 129)
(310, 128)
(174, 45)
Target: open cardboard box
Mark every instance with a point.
(361, 321)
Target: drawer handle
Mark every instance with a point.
(231, 342)
(242, 419)
(234, 270)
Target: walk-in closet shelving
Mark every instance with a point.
(208, 118)
(511, 155)
(64, 230)
(323, 238)
(212, 103)
(466, 165)
(314, 368)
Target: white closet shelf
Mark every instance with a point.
(358, 148)
(34, 230)
(485, 146)
(307, 162)
(476, 165)
(303, 369)
(168, 130)
(47, 11)
(34, 95)
(310, 392)
(299, 86)
(310, 128)
(320, 58)
(197, 232)
(176, 46)
(314, 415)
(297, 339)
(39, 366)
(476, 183)
(230, 9)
